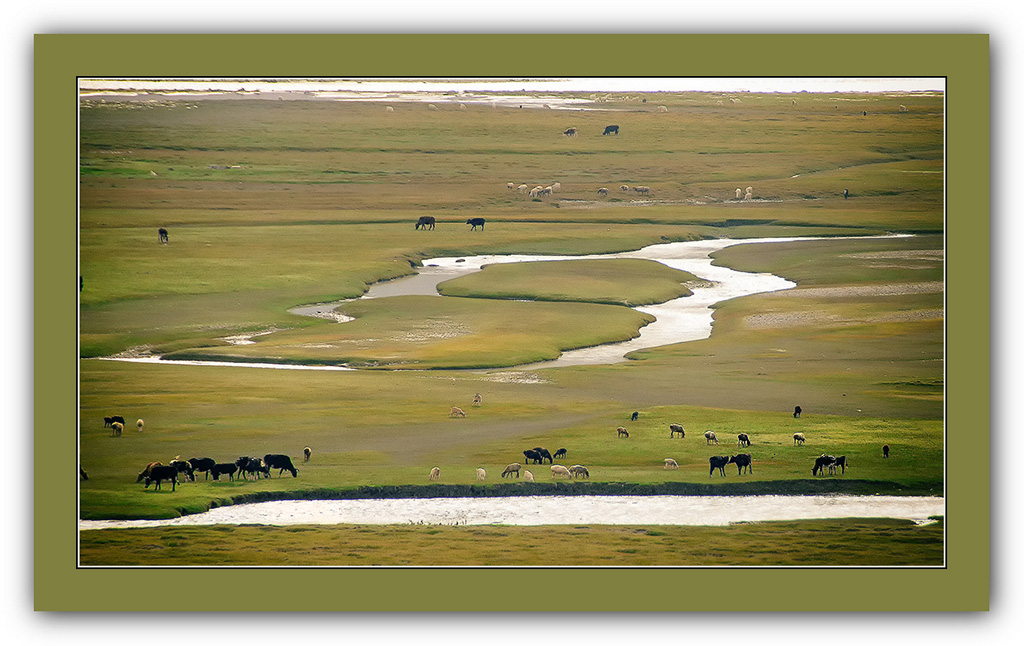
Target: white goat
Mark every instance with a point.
(671, 464)
(527, 476)
(481, 475)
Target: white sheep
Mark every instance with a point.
(662, 108)
(510, 186)
(140, 424)
(750, 189)
(557, 186)
(389, 109)
(559, 470)
(535, 191)
(462, 106)
(602, 191)
(435, 473)
(522, 188)
(710, 437)
(512, 468)
(749, 196)
(739, 193)
(546, 190)
(671, 464)
(481, 475)
(527, 476)
(457, 412)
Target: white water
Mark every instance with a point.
(554, 510)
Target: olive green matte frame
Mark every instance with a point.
(963, 59)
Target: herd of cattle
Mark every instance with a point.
(245, 467)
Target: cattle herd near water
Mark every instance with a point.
(248, 467)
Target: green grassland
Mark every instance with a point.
(274, 204)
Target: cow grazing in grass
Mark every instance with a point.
(532, 457)
(743, 439)
(718, 462)
(839, 463)
(426, 222)
(202, 465)
(476, 222)
(610, 130)
(161, 473)
(224, 467)
(709, 437)
(544, 454)
(797, 411)
(821, 462)
(676, 428)
(561, 453)
(742, 461)
(885, 451)
(282, 462)
(162, 233)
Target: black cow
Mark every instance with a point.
(83, 474)
(253, 466)
(476, 222)
(561, 453)
(718, 462)
(743, 439)
(202, 465)
(840, 462)
(797, 411)
(184, 467)
(846, 193)
(544, 454)
(427, 222)
(742, 461)
(161, 473)
(224, 467)
(282, 462)
(610, 130)
(885, 451)
(823, 461)
(676, 428)
(108, 421)
(634, 416)
(532, 457)
(163, 236)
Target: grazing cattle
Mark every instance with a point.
(527, 476)
(798, 438)
(164, 239)
(570, 132)
(885, 451)
(622, 431)
(561, 453)
(544, 454)
(481, 475)
(742, 461)
(634, 416)
(253, 466)
(161, 473)
(602, 191)
(579, 471)
(559, 470)
(676, 428)
(532, 456)
(477, 399)
(671, 464)
(82, 474)
(183, 467)
(116, 429)
(427, 222)
(145, 472)
(823, 461)
(476, 222)
(797, 411)
(435, 473)
(610, 130)
(457, 412)
(511, 468)
(202, 465)
(306, 453)
(743, 439)
(224, 467)
(709, 437)
(282, 462)
(839, 463)
(108, 421)
(718, 462)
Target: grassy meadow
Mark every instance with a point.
(274, 204)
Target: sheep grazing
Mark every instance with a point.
(671, 464)
(462, 106)
(622, 432)
(522, 188)
(140, 424)
(457, 412)
(512, 468)
(388, 109)
(709, 437)
(602, 191)
(116, 429)
(662, 108)
(431, 107)
(546, 190)
(527, 476)
(903, 108)
(676, 428)
(481, 475)
(557, 186)
(535, 191)
(579, 471)
(798, 438)
(749, 196)
(743, 439)
(718, 462)
(739, 193)
(561, 453)
(435, 473)
(510, 186)
(642, 190)
(306, 452)
(559, 470)
(885, 450)
(623, 188)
